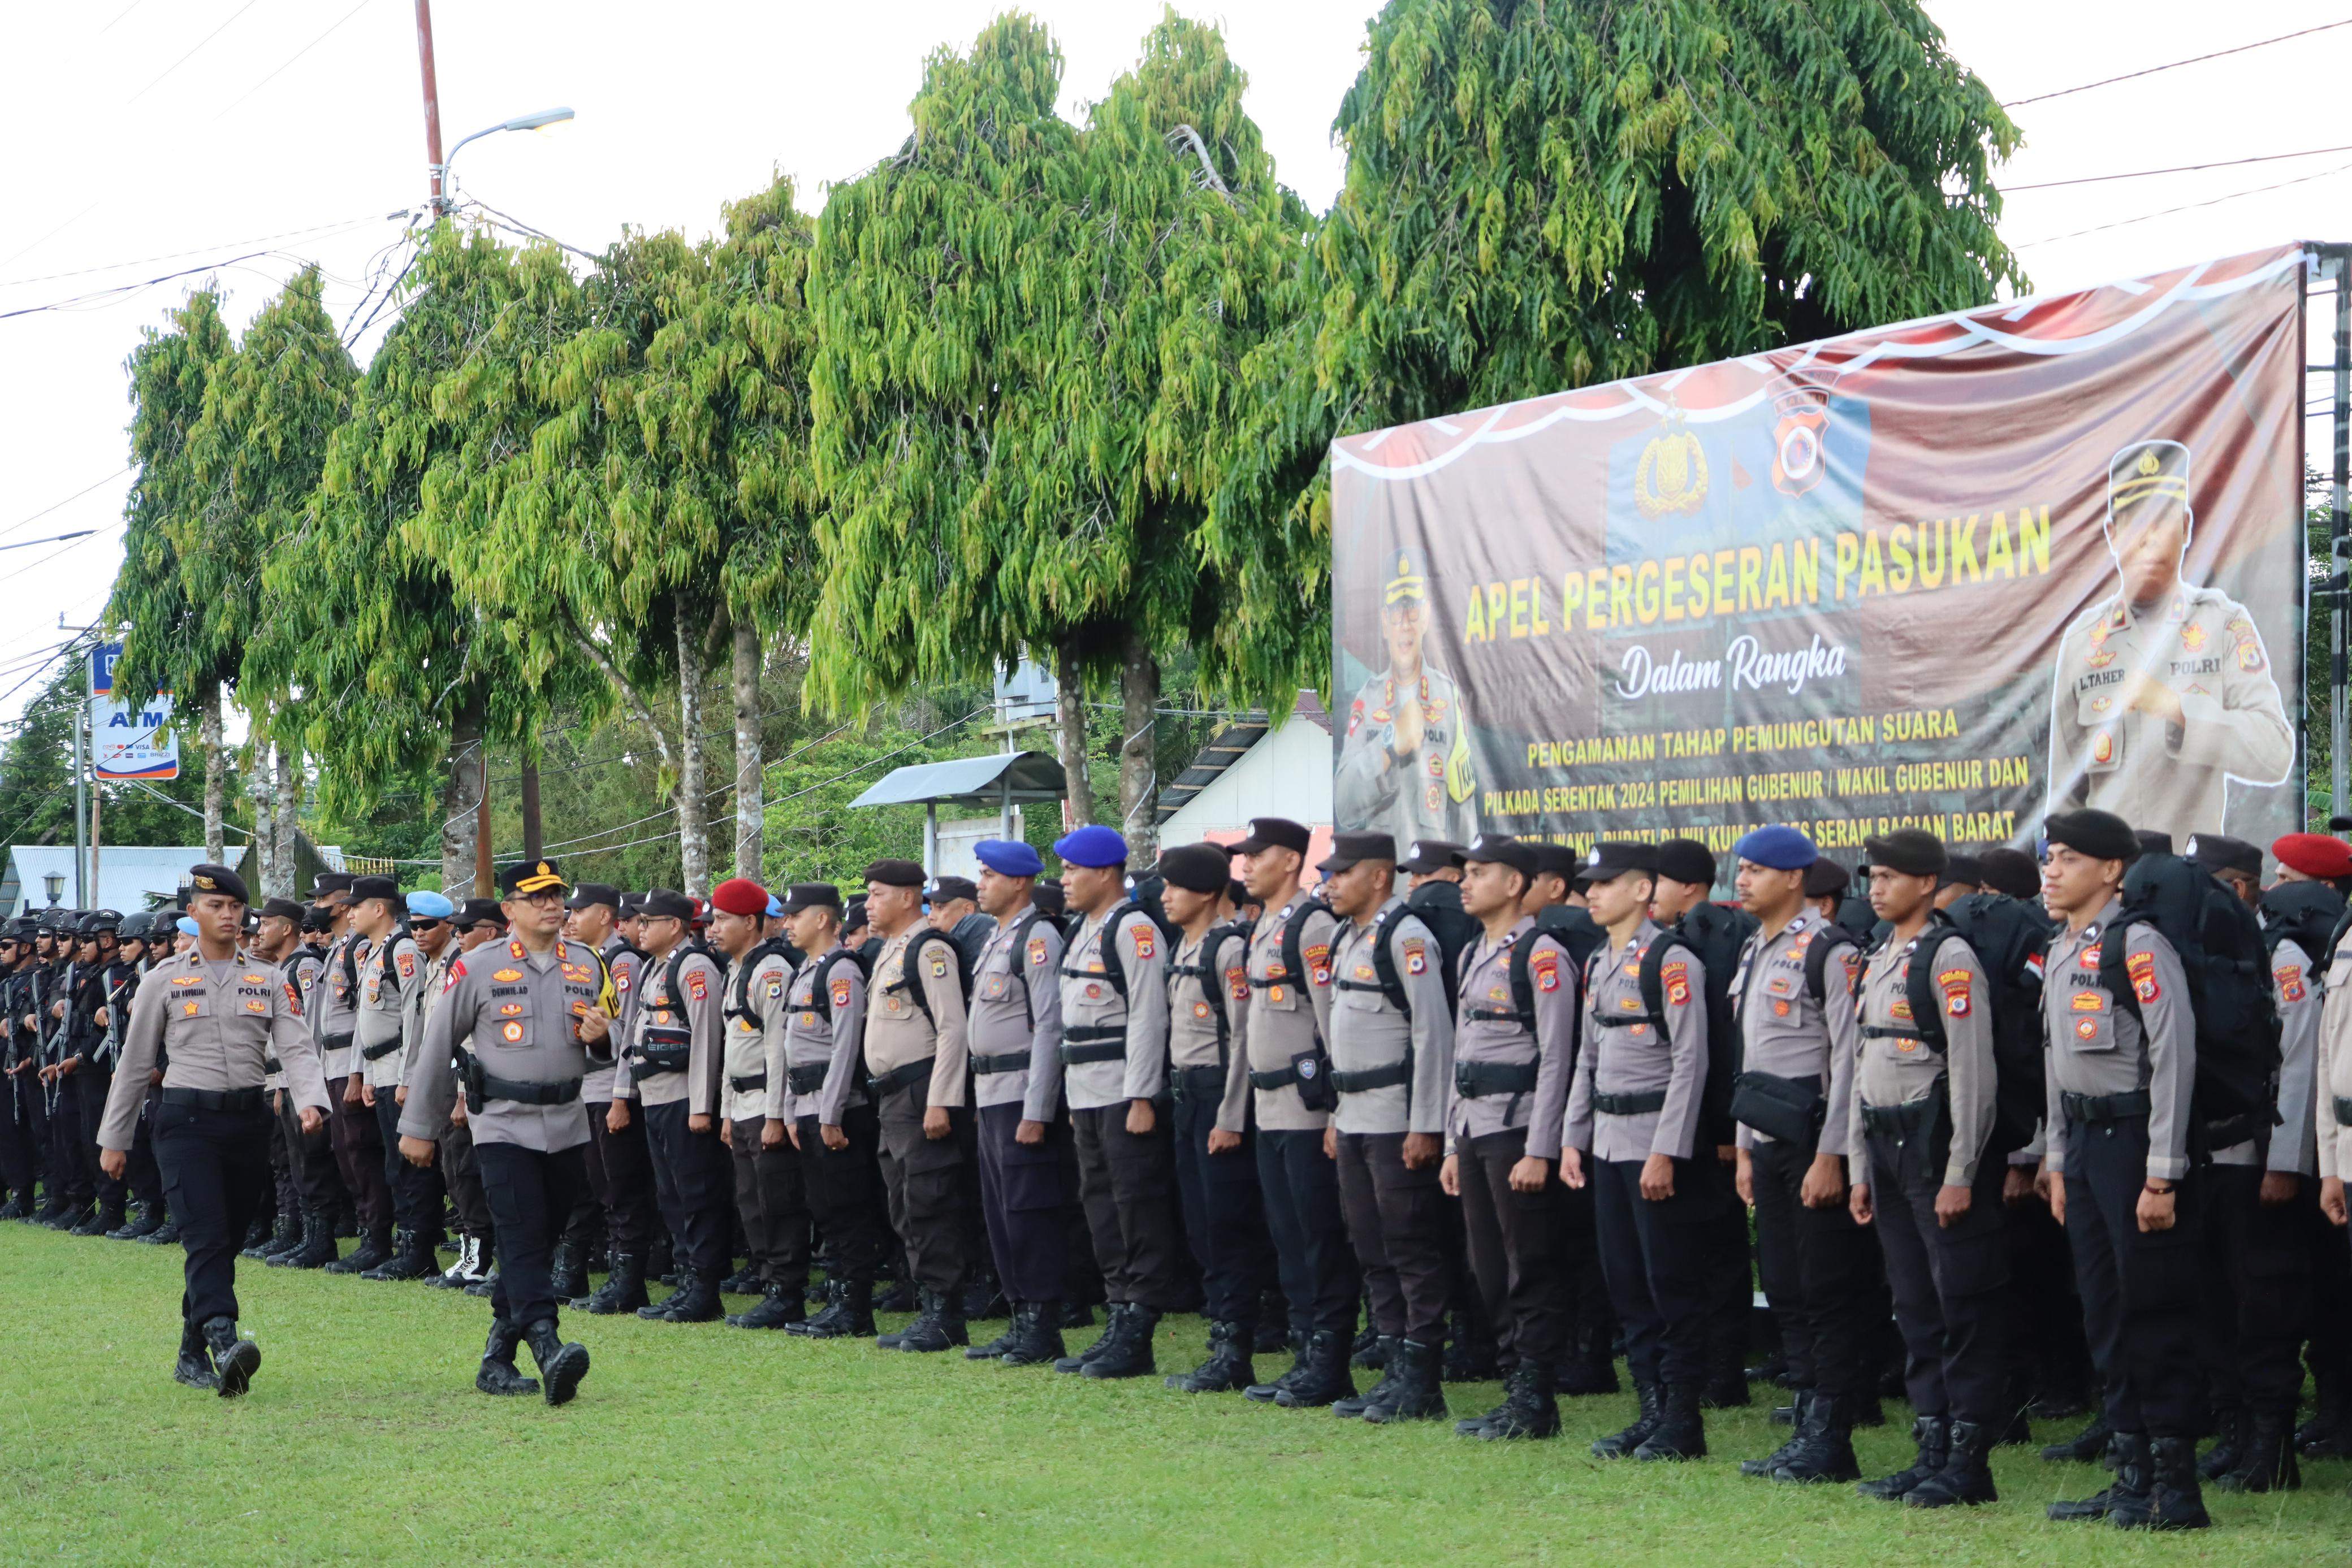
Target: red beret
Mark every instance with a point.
(2314, 854)
(740, 895)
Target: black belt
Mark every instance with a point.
(561, 1092)
(271, 1064)
(899, 1077)
(1898, 1121)
(1096, 1050)
(1619, 1021)
(1280, 1078)
(1209, 1083)
(217, 1099)
(1083, 1032)
(1889, 1031)
(1502, 1015)
(378, 1052)
(1395, 1072)
(2343, 1112)
(1475, 1080)
(1640, 1104)
(2105, 1107)
(1005, 1062)
(808, 1078)
(339, 1041)
(748, 1082)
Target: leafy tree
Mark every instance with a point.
(1543, 195)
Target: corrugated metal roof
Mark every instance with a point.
(968, 781)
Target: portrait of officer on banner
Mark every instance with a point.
(1404, 766)
(2163, 692)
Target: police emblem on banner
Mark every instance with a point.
(1671, 473)
(1797, 459)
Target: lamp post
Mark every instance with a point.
(440, 171)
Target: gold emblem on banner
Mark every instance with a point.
(1671, 473)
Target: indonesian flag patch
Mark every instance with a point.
(2141, 967)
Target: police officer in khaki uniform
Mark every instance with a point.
(531, 1005)
(769, 1193)
(674, 1067)
(2121, 1079)
(1114, 1053)
(303, 970)
(1923, 1109)
(1405, 767)
(359, 1157)
(831, 1121)
(620, 1164)
(1392, 1063)
(391, 966)
(219, 1017)
(1633, 1112)
(915, 1044)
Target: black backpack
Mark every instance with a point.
(2310, 915)
(1212, 982)
(1438, 904)
(1861, 921)
(2011, 942)
(1144, 892)
(820, 993)
(2219, 944)
(1385, 978)
(1715, 935)
(739, 1006)
(925, 936)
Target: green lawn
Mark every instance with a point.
(363, 1439)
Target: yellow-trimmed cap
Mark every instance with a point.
(2147, 471)
(530, 876)
(1408, 576)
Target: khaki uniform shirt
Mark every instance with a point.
(1089, 1000)
(1783, 1031)
(624, 963)
(696, 1009)
(417, 1003)
(2290, 1146)
(828, 1030)
(330, 1017)
(1016, 1011)
(898, 1034)
(219, 1023)
(2099, 1047)
(755, 1039)
(1367, 1031)
(1480, 1036)
(1630, 1059)
(2332, 1127)
(522, 1011)
(386, 976)
(1287, 1013)
(1198, 986)
(1894, 1070)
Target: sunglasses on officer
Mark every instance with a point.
(423, 923)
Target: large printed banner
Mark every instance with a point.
(1952, 574)
(127, 742)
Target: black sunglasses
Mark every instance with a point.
(423, 923)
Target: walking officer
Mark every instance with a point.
(218, 1018)
(2121, 1077)
(674, 1068)
(833, 1122)
(1794, 999)
(770, 1194)
(530, 1006)
(1114, 981)
(1015, 1037)
(1391, 1063)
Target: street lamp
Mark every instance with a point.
(56, 882)
(440, 170)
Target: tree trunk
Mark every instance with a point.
(259, 789)
(693, 807)
(1139, 781)
(286, 818)
(461, 795)
(216, 777)
(751, 775)
(1070, 737)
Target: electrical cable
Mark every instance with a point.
(2176, 65)
(2182, 168)
(198, 250)
(297, 54)
(184, 60)
(121, 288)
(2186, 207)
(77, 494)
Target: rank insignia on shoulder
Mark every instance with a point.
(515, 949)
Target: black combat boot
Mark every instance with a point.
(1824, 1447)
(412, 1259)
(98, 1222)
(2128, 1490)
(983, 1298)
(849, 1314)
(17, 1208)
(2266, 1462)
(1932, 1434)
(561, 1364)
(2229, 1442)
(1471, 1355)
(235, 1360)
(257, 1236)
(940, 1327)
(318, 1248)
(1681, 1431)
(1652, 1397)
(452, 1278)
(778, 1308)
(743, 1281)
(568, 1274)
(1228, 1369)
(2328, 1434)
(1114, 1324)
(165, 1235)
(1529, 1409)
(374, 1250)
(696, 1302)
(1414, 1393)
(1036, 1335)
(1588, 1369)
(284, 1236)
(498, 1373)
(624, 1289)
(1383, 1357)
(2086, 1446)
(2172, 1501)
(1001, 1343)
(1725, 1387)
(1370, 1350)
(195, 1367)
(661, 1260)
(1078, 1315)
(1267, 1393)
(900, 1297)
(1325, 1379)
(1802, 1422)
(487, 1286)
(1131, 1356)
(1964, 1477)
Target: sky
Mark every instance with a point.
(248, 137)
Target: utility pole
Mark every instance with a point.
(485, 884)
(433, 161)
(81, 802)
(534, 837)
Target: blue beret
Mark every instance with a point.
(1781, 848)
(187, 927)
(430, 905)
(1011, 857)
(775, 906)
(1093, 845)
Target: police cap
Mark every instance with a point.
(2145, 474)
(1501, 849)
(1407, 576)
(1433, 854)
(1352, 849)
(2219, 852)
(368, 887)
(218, 879)
(812, 895)
(1275, 833)
(1608, 861)
(662, 904)
(524, 878)
(281, 909)
(2011, 872)
(948, 889)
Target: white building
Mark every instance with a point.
(131, 877)
(1255, 768)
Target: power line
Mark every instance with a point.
(52, 506)
(2186, 207)
(97, 294)
(2176, 65)
(2182, 168)
(198, 250)
(184, 60)
(297, 54)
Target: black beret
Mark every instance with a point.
(1352, 849)
(1558, 860)
(330, 881)
(1501, 849)
(1235, 894)
(2102, 835)
(1275, 833)
(2218, 851)
(1608, 861)
(1825, 878)
(218, 879)
(812, 895)
(662, 904)
(1963, 871)
(2011, 872)
(894, 874)
(2152, 843)
(589, 892)
(1913, 852)
(1433, 854)
(367, 887)
(1686, 859)
(1197, 868)
(282, 908)
(945, 889)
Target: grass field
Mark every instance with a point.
(363, 1440)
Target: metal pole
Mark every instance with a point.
(81, 805)
(97, 801)
(1004, 806)
(2339, 532)
(432, 105)
(931, 838)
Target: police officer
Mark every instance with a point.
(475, 924)
(915, 1044)
(620, 1168)
(2120, 1083)
(391, 967)
(1282, 1059)
(1405, 766)
(1392, 1063)
(833, 1121)
(92, 1063)
(769, 1193)
(1015, 1036)
(219, 1017)
(1633, 1131)
(20, 1161)
(2322, 857)
(1114, 981)
(277, 939)
(674, 1068)
(303, 973)
(1799, 1043)
(359, 1154)
(532, 1007)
